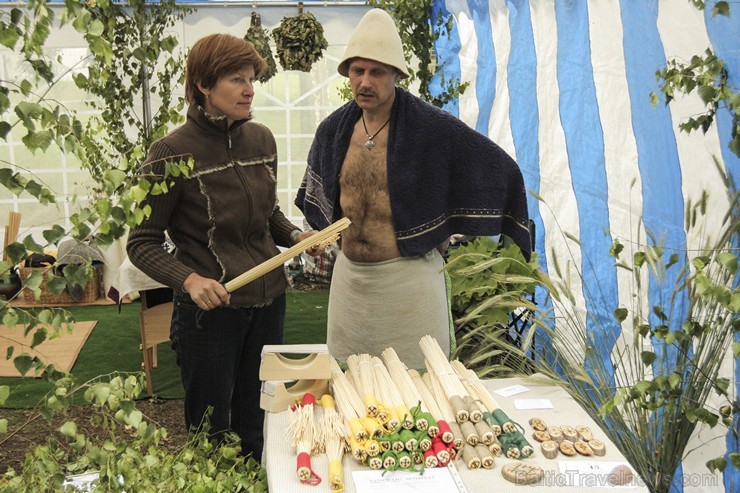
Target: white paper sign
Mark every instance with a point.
(532, 404)
(592, 474)
(434, 480)
(512, 390)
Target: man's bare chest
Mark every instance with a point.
(364, 169)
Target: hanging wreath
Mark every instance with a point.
(300, 41)
(260, 38)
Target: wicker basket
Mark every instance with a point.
(89, 295)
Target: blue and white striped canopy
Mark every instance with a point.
(564, 86)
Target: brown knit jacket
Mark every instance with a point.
(224, 217)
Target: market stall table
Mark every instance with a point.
(561, 474)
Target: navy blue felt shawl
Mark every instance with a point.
(444, 178)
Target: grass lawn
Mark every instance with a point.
(114, 346)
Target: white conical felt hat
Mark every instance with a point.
(375, 38)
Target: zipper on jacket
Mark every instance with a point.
(241, 174)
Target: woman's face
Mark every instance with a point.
(231, 96)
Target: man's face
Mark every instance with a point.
(373, 83)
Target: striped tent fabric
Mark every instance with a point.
(564, 86)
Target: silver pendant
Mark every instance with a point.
(370, 144)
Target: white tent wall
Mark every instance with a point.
(565, 87)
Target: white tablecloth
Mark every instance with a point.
(130, 279)
(281, 462)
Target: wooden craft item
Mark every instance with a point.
(598, 447)
(549, 449)
(314, 366)
(520, 473)
(329, 233)
(583, 448)
(276, 396)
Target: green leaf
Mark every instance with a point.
(82, 21)
(69, 429)
(55, 234)
(672, 260)
(721, 8)
(140, 54)
(38, 337)
(116, 177)
(134, 418)
(33, 281)
(722, 384)
(728, 261)
(54, 403)
(16, 252)
(4, 130)
(56, 284)
(8, 36)
(707, 93)
(639, 259)
(23, 363)
(621, 314)
(10, 318)
(95, 28)
(38, 140)
(717, 464)
(78, 274)
(102, 48)
(674, 379)
(735, 459)
(4, 393)
(31, 245)
(101, 392)
(643, 386)
(27, 110)
(648, 357)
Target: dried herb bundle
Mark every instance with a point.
(260, 38)
(300, 42)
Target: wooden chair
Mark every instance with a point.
(154, 318)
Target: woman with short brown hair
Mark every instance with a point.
(224, 219)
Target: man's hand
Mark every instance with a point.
(315, 250)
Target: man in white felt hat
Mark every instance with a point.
(408, 175)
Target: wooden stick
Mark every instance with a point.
(11, 231)
(362, 372)
(6, 243)
(334, 452)
(438, 364)
(409, 393)
(280, 259)
(301, 430)
(334, 442)
(484, 396)
(430, 379)
(348, 402)
(14, 225)
(391, 395)
(426, 395)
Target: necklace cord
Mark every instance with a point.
(371, 137)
